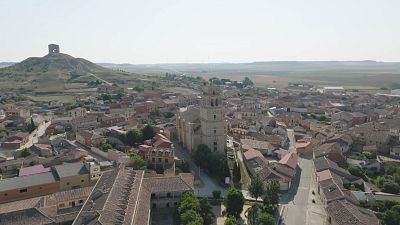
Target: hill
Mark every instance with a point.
(54, 72)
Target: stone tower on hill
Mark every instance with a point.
(53, 48)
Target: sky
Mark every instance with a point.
(203, 31)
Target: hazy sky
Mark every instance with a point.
(166, 31)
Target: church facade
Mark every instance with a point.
(203, 124)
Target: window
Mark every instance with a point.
(215, 117)
(5, 194)
(153, 160)
(67, 183)
(80, 201)
(159, 160)
(216, 102)
(169, 195)
(215, 131)
(61, 205)
(166, 160)
(23, 190)
(82, 181)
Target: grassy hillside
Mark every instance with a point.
(55, 73)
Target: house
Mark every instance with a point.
(330, 188)
(303, 148)
(343, 212)
(35, 182)
(76, 175)
(264, 147)
(25, 171)
(29, 186)
(10, 165)
(120, 191)
(280, 153)
(16, 141)
(17, 112)
(44, 150)
(159, 152)
(87, 122)
(77, 112)
(344, 140)
(395, 151)
(277, 172)
(90, 138)
(57, 208)
(331, 150)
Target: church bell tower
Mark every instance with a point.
(212, 118)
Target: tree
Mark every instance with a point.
(190, 216)
(183, 165)
(265, 219)
(236, 173)
(189, 209)
(206, 213)
(234, 202)
(148, 132)
(253, 214)
(105, 146)
(203, 157)
(247, 82)
(256, 187)
(392, 216)
(216, 194)
(272, 194)
(230, 221)
(31, 126)
(357, 171)
(25, 152)
(138, 162)
(134, 136)
(155, 113)
(391, 187)
(189, 201)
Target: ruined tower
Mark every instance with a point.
(53, 48)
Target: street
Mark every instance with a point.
(296, 205)
(207, 185)
(34, 136)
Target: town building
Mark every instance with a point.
(203, 124)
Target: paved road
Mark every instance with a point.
(296, 201)
(34, 136)
(208, 185)
(292, 140)
(297, 207)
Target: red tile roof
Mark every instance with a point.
(252, 153)
(33, 170)
(290, 160)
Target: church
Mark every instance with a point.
(203, 124)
